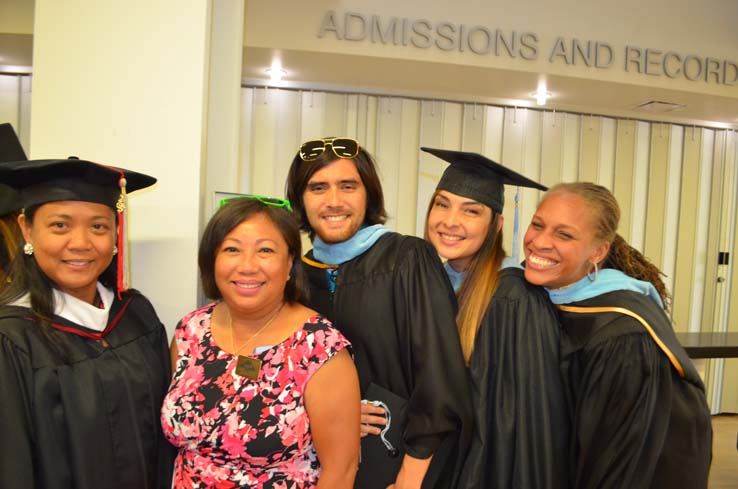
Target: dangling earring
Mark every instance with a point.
(115, 249)
(589, 274)
(28, 249)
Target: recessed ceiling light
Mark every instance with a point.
(541, 96)
(275, 74)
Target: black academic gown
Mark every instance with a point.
(521, 427)
(90, 420)
(396, 306)
(638, 410)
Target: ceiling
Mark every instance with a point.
(463, 83)
(429, 80)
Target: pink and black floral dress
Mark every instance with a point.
(235, 432)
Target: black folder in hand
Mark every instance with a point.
(381, 462)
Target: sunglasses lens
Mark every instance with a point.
(345, 148)
(310, 150)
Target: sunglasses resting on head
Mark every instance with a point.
(273, 201)
(341, 147)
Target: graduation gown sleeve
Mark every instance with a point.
(637, 421)
(16, 455)
(439, 402)
(521, 427)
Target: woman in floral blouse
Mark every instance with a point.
(265, 394)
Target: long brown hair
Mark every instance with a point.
(301, 172)
(479, 285)
(622, 256)
(11, 238)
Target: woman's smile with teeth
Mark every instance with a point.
(451, 237)
(250, 285)
(544, 262)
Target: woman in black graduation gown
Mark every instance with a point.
(83, 367)
(508, 330)
(636, 403)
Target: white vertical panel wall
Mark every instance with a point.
(15, 106)
(549, 146)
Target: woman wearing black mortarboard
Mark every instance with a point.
(508, 331)
(10, 237)
(84, 362)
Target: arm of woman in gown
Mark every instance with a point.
(16, 450)
(332, 401)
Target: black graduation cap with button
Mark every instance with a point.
(42, 181)
(10, 150)
(475, 176)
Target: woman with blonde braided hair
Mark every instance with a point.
(636, 404)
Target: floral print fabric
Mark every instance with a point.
(235, 432)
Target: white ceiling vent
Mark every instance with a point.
(659, 107)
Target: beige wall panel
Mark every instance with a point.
(362, 118)
(288, 104)
(531, 168)
(552, 143)
(494, 120)
(452, 119)
(472, 132)
(387, 151)
(707, 145)
(639, 198)
(15, 106)
(430, 168)
(606, 167)
(10, 87)
(246, 150)
(728, 392)
(407, 173)
(686, 242)
(623, 178)
(513, 154)
(264, 136)
(656, 193)
(671, 212)
(312, 107)
(25, 109)
(733, 312)
(712, 288)
(570, 147)
(351, 118)
(589, 148)
(334, 116)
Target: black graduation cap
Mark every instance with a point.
(43, 181)
(10, 146)
(477, 177)
(10, 150)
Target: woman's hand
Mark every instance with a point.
(371, 415)
(411, 473)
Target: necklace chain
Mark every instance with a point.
(261, 330)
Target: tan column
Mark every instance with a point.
(129, 83)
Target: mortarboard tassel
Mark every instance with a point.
(121, 264)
